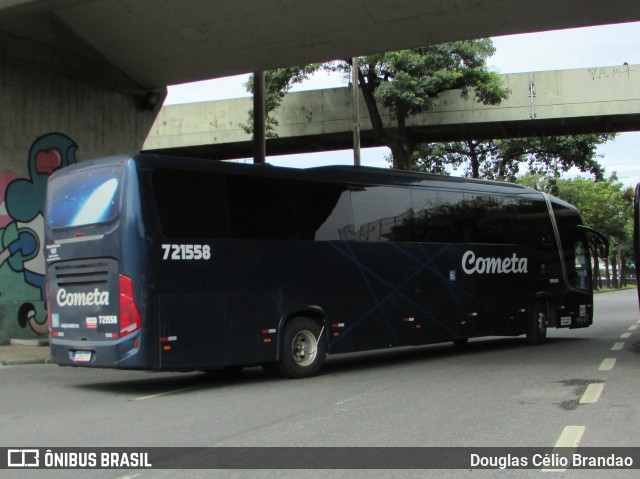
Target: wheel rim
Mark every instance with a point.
(304, 348)
(542, 323)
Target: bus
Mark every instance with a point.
(179, 264)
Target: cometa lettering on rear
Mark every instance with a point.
(91, 298)
(479, 265)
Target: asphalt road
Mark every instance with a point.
(493, 392)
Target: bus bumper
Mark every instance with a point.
(122, 353)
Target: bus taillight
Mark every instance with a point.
(129, 315)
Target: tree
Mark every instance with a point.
(503, 159)
(408, 82)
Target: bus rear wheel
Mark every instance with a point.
(537, 332)
(303, 349)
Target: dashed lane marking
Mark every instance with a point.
(592, 393)
(617, 346)
(607, 364)
(570, 438)
(173, 391)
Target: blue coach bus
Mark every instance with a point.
(178, 264)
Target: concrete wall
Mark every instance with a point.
(48, 119)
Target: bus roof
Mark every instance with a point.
(387, 175)
(357, 175)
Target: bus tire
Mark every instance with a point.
(303, 349)
(538, 322)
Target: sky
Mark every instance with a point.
(608, 45)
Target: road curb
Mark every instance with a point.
(29, 342)
(25, 351)
(22, 362)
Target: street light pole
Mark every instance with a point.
(355, 97)
(259, 128)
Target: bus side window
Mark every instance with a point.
(438, 215)
(489, 218)
(261, 208)
(191, 204)
(382, 213)
(533, 225)
(323, 211)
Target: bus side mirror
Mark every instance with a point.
(600, 239)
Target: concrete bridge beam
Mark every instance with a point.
(602, 99)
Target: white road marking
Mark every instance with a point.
(173, 391)
(633, 327)
(570, 438)
(607, 364)
(340, 403)
(617, 346)
(625, 335)
(592, 393)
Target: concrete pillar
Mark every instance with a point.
(52, 116)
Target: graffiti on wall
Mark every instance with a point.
(22, 266)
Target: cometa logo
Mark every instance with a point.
(92, 298)
(478, 265)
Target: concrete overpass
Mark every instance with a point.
(602, 99)
(96, 70)
(153, 43)
(85, 78)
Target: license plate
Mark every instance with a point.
(82, 356)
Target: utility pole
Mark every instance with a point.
(355, 100)
(259, 126)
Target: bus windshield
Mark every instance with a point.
(80, 200)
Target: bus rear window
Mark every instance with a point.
(84, 198)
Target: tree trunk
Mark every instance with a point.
(401, 145)
(399, 142)
(475, 161)
(401, 155)
(620, 270)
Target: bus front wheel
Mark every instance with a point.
(304, 349)
(537, 332)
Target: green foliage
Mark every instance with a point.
(604, 205)
(504, 159)
(407, 82)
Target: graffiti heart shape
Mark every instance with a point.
(48, 161)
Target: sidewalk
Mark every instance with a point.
(25, 351)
